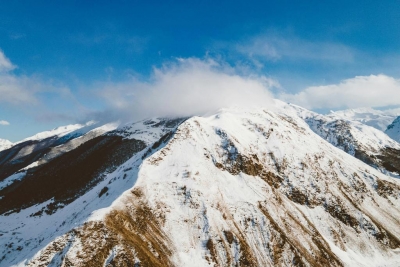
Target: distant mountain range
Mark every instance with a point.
(379, 119)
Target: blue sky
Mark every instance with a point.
(67, 59)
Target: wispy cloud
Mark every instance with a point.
(132, 44)
(15, 89)
(360, 91)
(4, 123)
(22, 90)
(16, 36)
(18, 90)
(274, 48)
(185, 87)
(5, 63)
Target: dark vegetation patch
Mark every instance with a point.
(273, 180)
(213, 252)
(390, 159)
(103, 191)
(10, 163)
(386, 188)
(236, 163)
(164, 139)
(298, 196)
(169, 123)
(244, 164)
(229, 236)
(164, 123)
(337, 211)
(364, 157)
(70, 175)
(386, 238)
(240, 163)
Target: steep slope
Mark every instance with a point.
(5, 144)
(366, 143)
(378, 119)
(255, 188)
(393, 130)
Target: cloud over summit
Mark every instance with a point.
(187, 87)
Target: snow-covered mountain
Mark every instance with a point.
(393, 130)
(379, 119)
(5, 144)
(281, 186)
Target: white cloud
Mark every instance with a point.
(187, 87)
(5, 63)
(360, 91)
(23, 90)
(18, 89)
(4, 123)
(15, 89)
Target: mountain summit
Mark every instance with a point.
(263, 187)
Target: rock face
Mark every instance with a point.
(393, 130)
(238, 188)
